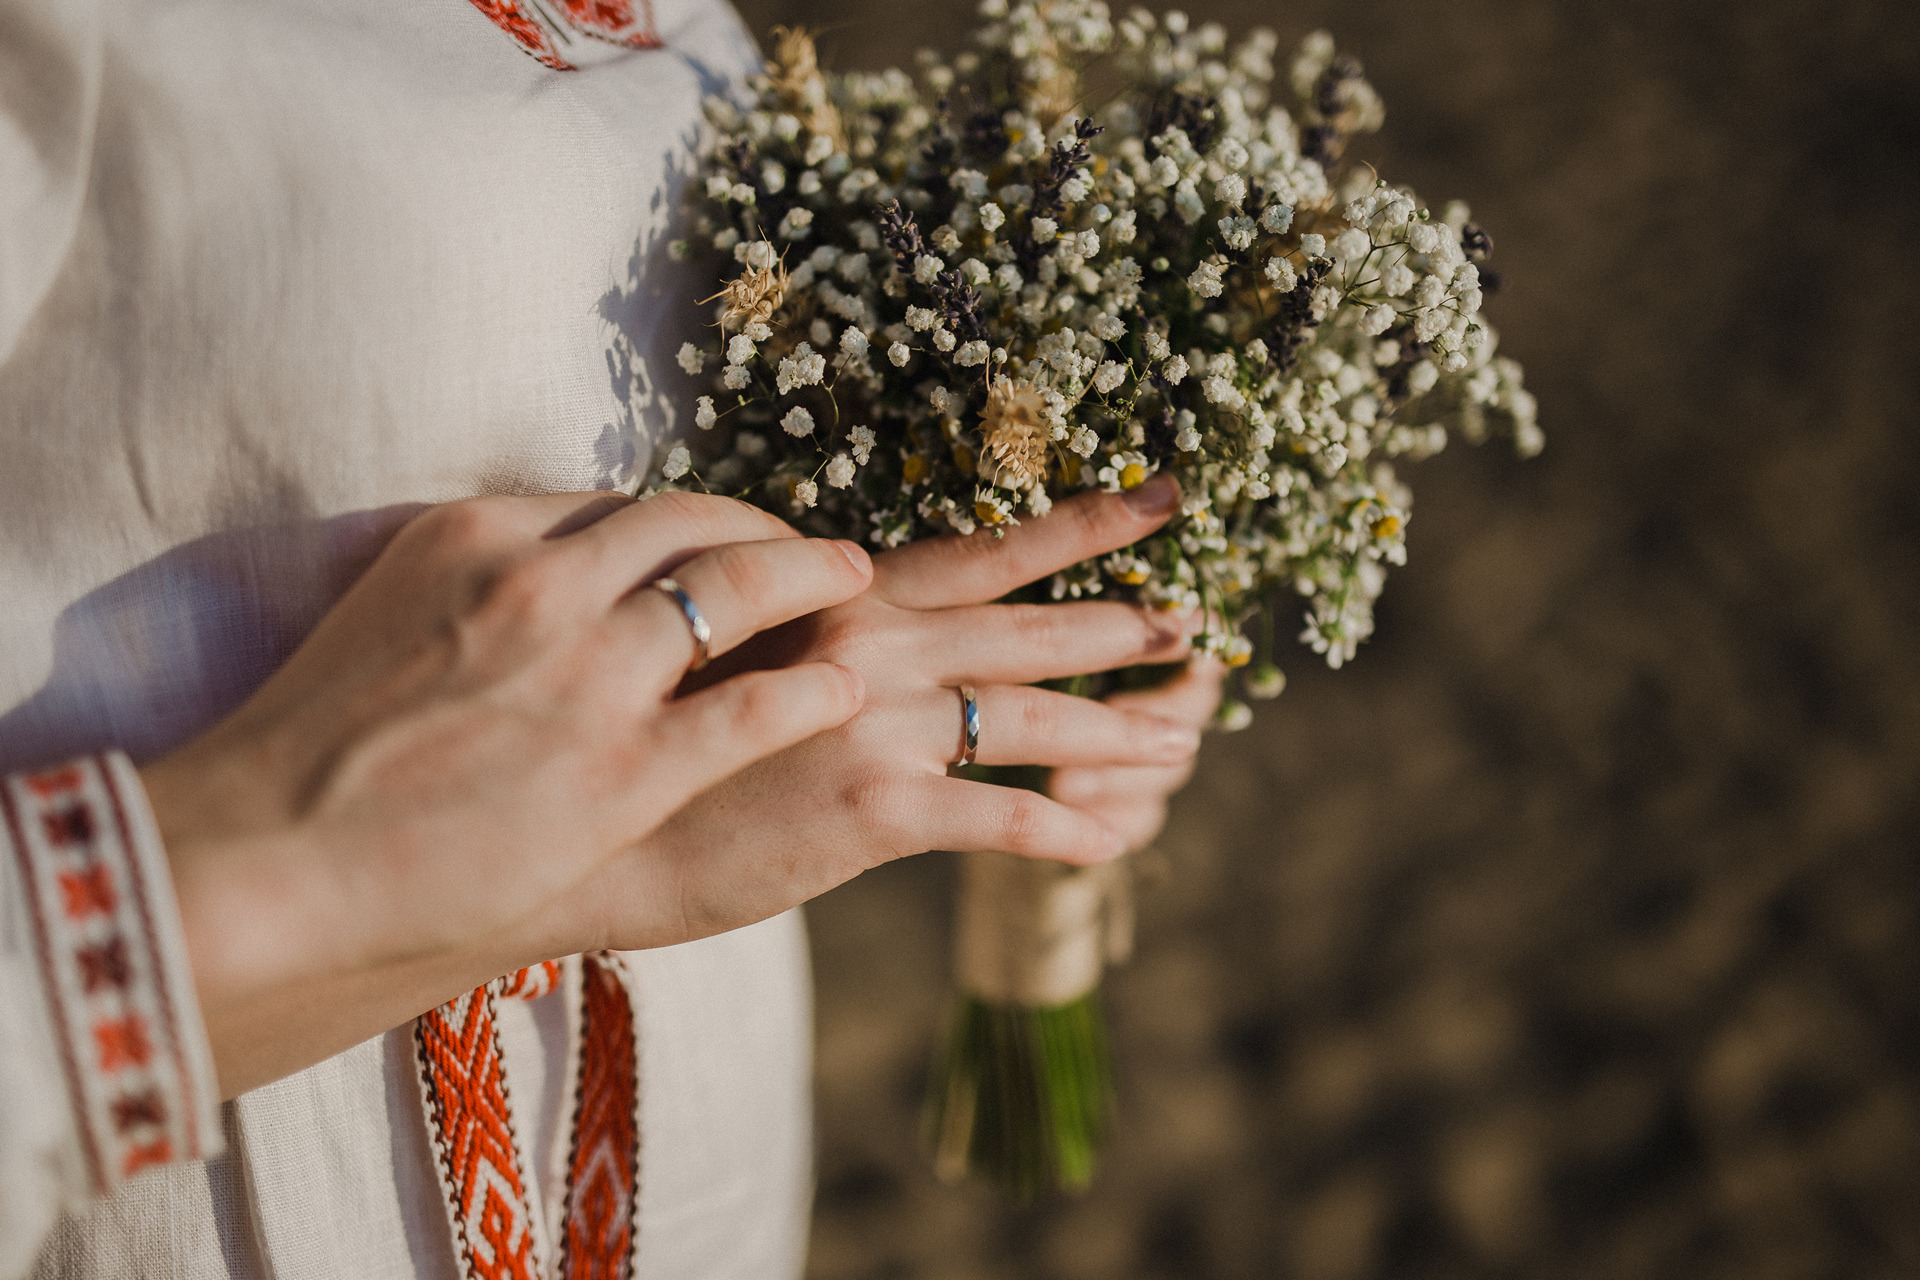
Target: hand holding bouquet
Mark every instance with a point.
(949, 298)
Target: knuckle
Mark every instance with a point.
(1022, 821)
(1041, 717)
(712, 518)
(467, 525)
(1036, 625)
(526, 591)
(744, 572)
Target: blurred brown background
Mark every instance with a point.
(1574, 930)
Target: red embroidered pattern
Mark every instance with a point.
(462, 1080)
(604, 1165)
(138, 1093)
(555, 32)
(466, 1095)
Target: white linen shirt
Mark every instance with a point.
(272, 274)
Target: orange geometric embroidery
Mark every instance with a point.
(545, 29)
(54, 781)
(123, 1042)
(604, 1164)
(85, 892)
(459, 1052)
(159, 1151)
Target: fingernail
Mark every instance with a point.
(1154, 498)
(856, 554)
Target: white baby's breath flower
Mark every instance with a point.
(943, 338)
(1176, 370)
(804, 368)
(992, 217)
(1083, 441)
(798, 422)
(797, 224)
(703, 415)
(736, 377)
(1110, 375)
(899, 353)
(1276, 218)
(853, 341)
(1280, 271)
(691, 358)
(1187, 202)
(971, 354)
(819, 147)
(839, 472)
(1237, 232)
(1231, 189)
(1314, 246)
(1044, 229)
(1352, 245)
(1378, 321)
(1206, 280)
(922, 318)
(862, 440)
(805, 493)
(740, 349)
(1423, 237)
(926, 267)
(678, 463)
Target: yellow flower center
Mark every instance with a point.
(963, 458)
(915, 469)
(986, 513)
(1386, 526)
(1132, 476)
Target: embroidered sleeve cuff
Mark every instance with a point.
(119, 985)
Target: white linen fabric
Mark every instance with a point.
(273, 273)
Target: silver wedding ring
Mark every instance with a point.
(696, 621)
(969, 724)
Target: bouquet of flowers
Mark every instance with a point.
(1082, 252)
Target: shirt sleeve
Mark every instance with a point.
(104, 1063)
(50, 60)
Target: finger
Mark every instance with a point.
(650, 538)
(743, 588)
(940, 572)
(1136, 823)
(977, 816)
(1101, 788)
(1022, 643)
(1019, 725)
(713, 734)
(1189, 698)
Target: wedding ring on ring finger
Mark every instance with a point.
(969, 726)
(696, 621)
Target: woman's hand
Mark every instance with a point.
(485, 719)
(876, 788)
